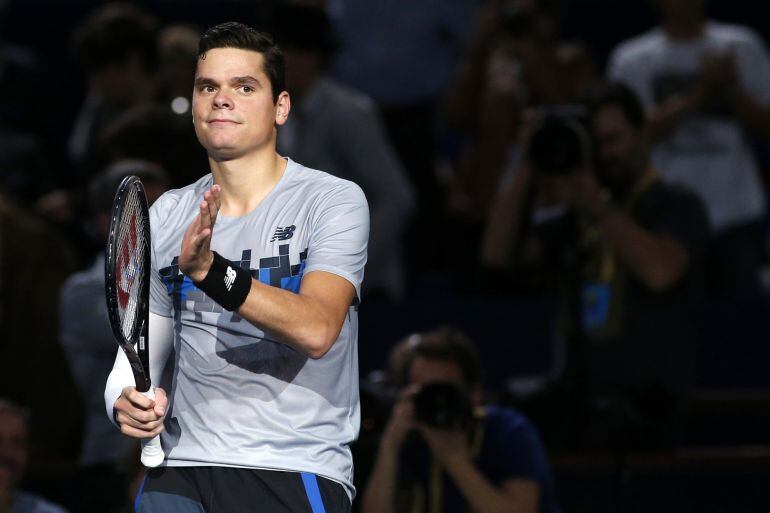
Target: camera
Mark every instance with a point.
(516, 22)
(442, 405)
(561, 142)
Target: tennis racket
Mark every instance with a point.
(127, 285)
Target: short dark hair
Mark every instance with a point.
(444, 344)
(11, 407)
(232, 34)
(114, 32)
(620, 96)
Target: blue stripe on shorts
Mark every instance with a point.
(313, 493)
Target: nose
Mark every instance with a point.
(222, 100)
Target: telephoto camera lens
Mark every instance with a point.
(441, 405)
(561, 142)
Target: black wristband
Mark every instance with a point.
(226, 283)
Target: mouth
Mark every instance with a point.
(222, 122)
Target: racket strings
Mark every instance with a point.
(130, 246)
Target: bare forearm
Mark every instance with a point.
(380, 494)
(501, 235)
(295, 319)
(656, 260)
(482, 495)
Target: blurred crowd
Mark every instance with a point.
(528, 197)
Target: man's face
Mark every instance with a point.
(425, 371)
(233, 108)
(120, 84)
(620, 146)
(683, 11)
(13, 450)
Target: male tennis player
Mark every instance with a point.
(257, 270)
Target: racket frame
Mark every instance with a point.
(136, 346)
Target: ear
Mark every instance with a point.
(282, 108)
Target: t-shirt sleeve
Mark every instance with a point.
(629, 68)
(340, 233)
(160, 300)
(523, 457)
(753, 66)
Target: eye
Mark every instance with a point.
(247, 89)
(206, 88)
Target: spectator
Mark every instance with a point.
(402, 54)
(339, 129)
(514, 62)
(14, 455)
(117, 45)
(177, 48)
(486, 459)
(625, 249)
(87, 340)
(706, 85)
(33, 264)
(135, 133)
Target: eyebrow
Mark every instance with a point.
(246, 79)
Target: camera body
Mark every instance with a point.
(442, 405)
(561, 141)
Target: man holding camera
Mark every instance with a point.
(624, 249)
(706, 87)
(441, 452)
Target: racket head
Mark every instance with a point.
(127, 263)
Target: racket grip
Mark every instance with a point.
(152, 452)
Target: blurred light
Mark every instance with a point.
(180, 105)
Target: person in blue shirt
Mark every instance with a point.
(441, 451)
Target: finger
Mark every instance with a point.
(145, 421)
(161, 402)
(128, 412)
(205, 216)
(199, 240)
(409, 392)
(136, 399)
(216, 192)
(140, 433)
(192, 229)
(213, 204)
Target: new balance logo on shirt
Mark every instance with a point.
(229, 278)
(283, 233)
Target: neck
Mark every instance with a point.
(246, 181)
(684, 30)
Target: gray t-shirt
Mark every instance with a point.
(237, 396)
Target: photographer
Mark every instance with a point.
(706, 87)
(441, 451)
(625, 259)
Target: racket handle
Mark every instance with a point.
(152, 452)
